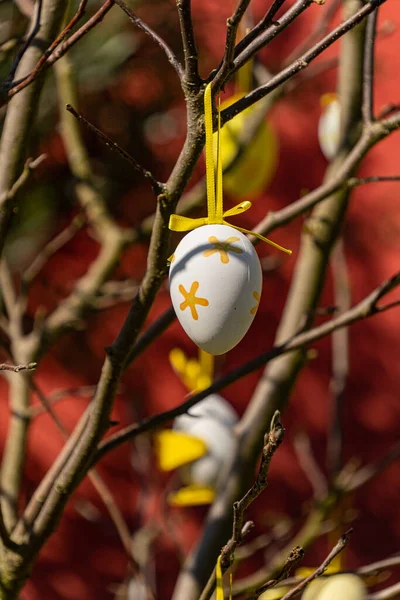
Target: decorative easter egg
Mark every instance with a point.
(215, 285)
(343, 585)
(257, 162)
(210, 421)
(213, 407)
(329, 129)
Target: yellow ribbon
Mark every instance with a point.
(216, 214)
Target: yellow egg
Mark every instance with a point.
(256, 166)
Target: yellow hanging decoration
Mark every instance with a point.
(216, 214)
(219, 580)
(196, 375)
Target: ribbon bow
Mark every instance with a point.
(216, 215)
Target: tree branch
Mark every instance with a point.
(368, 83)
(299, 64)
(158, 188)
(154, 36)
(21, 112)
(366, 308)
(342, 543)
(191, 76)
(58, 51)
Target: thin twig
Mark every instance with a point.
(52, 247)
(60, 50)
(309, 465)
(97, 481)
(59, 39)
(272, 441)
(261, 26)
(368, 69)
(342, 543)
(156, 185)
(233, 23)
(294, 557)
(356, 181)
(340, 360)
(365, 474)
(263, 33)
(299, 64)
(320, 28)
(389, 593)
(36, 26)
(154, 36)
(188, 42)
(30, 165)
(18, 368)
(367, 307)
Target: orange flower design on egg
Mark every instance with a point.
(256, 297)
(223, 248)
(191, 300)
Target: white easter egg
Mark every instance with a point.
(343, 585)
(213, 407)
(220, 445)
(215, 284)
(329, 130)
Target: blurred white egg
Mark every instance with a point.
(211, 421)
(213, 407)
(215, 284)
(343, 585)
(329, 130)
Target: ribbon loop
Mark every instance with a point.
(215, 213)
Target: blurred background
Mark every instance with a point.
(127, 88)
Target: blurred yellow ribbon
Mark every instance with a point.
(216, 214)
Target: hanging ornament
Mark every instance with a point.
(329, 126)
(256, 163)
(343, 585)
(200, 441)
(215, 274)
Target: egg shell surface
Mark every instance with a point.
(215, 285)
(329, 130)
(343, 585)
(220, 445)
(213, 407)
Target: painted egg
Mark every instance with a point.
(210, 421)
(213, 407)
(256, 164)
(343, 585)
(329, 130)
(215, 285)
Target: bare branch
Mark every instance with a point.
(386, 594)
(29, 39)
(51, 248)
(18, 368)
(233, 23)
(272, 441)
(340, 360)
(342, 543)
(156, 185)
(263, 33)
(364, 309)
(58, 49)
(309, 465)
(299, 64)
(154, 36)
(321, 27)
(368, 68)
(294, 557)
(189, 43)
